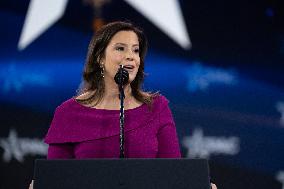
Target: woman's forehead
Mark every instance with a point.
(125, 37)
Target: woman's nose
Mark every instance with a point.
(130, 55)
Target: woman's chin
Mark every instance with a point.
(131, 78)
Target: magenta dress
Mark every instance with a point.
(81, 132)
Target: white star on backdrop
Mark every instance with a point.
(15, 147)
(280, 108)
(165, 14)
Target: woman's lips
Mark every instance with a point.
(129, 68)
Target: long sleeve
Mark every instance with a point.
(168, 145)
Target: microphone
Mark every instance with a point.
(122, 76)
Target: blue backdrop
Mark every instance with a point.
(226, 93)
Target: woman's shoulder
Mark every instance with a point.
(158, 102)
(68, 106)
(160, 99)
(74, 102)
(155, 97)
(84, 95)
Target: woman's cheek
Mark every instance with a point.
(119, 59)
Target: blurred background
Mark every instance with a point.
(220, 64)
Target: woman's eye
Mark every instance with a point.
(136, 50)
(119, 48)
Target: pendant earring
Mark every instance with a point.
(102, 70)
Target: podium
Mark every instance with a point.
(122, 174)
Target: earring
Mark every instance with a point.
(102, 70)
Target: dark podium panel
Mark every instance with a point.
(122, 173)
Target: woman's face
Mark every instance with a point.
(123, 49)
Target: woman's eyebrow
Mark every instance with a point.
(120, 44)
(124, 44)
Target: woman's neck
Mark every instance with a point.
(111, 99)
(112, 92)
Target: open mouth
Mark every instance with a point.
(128, 67)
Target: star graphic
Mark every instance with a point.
(17, 148)
(280, 108)
(15, 78)
(165, 14)
(201, 146)
(280, 178)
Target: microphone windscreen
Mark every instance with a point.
(122, 76)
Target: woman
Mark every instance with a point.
(87, 126)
